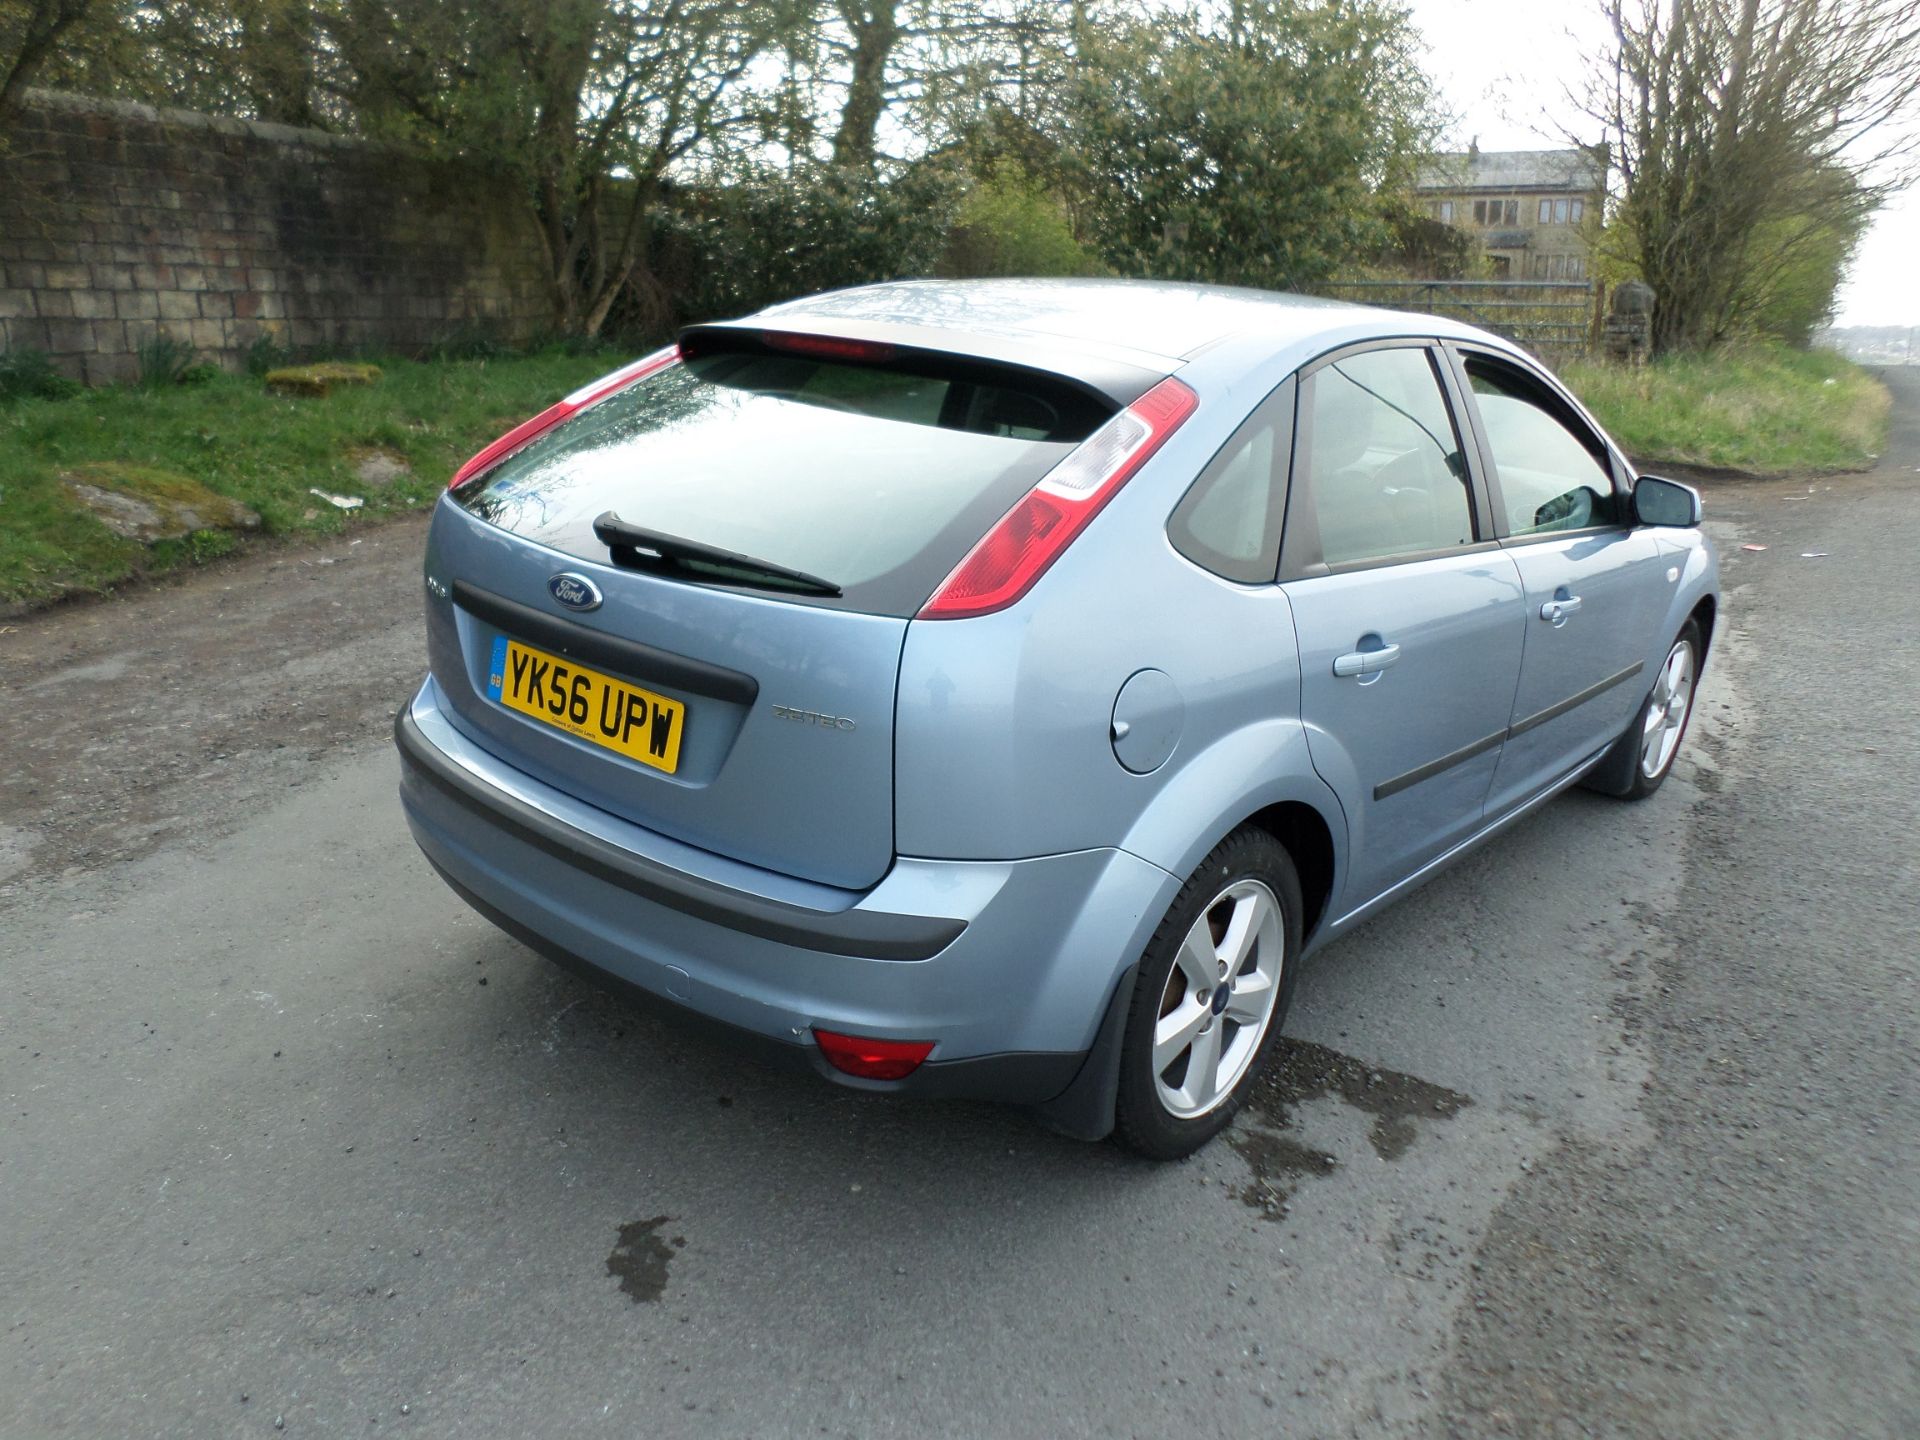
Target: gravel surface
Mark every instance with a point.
(1614, 1129)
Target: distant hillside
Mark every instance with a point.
(1873, 344)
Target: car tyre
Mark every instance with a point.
(1212, 989)
(1643, 756)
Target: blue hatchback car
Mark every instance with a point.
(996, 688)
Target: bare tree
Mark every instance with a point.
(588, 104)
(930, 63)
(1733, 123)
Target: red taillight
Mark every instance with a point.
(1032, 535)
(872, 1059)
(828, 347)
(579, 400)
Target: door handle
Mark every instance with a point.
(1366, 662)
(1557, 610)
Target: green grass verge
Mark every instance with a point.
(263, 450)
(1764, 409)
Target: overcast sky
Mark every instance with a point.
(1502, 66)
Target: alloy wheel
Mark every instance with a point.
(1667, 710)
(1218, 1000)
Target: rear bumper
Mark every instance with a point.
(1008, 967)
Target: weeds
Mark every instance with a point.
(262, 450)
(29, 375)
(166, 362)
(1760, 408)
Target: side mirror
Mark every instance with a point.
(1665, 502)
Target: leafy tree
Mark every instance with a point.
(1795, 296)
(30, 35)
(263, 59)
(1247, 143)
(1751, 135)
(61, 43)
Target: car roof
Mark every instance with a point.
(1115, 338)
(1167, 320)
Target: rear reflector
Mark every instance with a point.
(581, 399)
(872, 1059)
(1037, 530)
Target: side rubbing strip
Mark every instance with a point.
(1432, 768)
(1554, 712)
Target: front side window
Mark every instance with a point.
(1385, 471)
(1549, 476)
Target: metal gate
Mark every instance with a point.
(1555, 319)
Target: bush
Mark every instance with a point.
(770, 236)
(1010, 225)
(29, 375)
(468, 341)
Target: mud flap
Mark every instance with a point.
(1084, 1110)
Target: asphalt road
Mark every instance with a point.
(1614, 1129)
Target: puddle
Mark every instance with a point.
(641, 1258)
(1302, 1071)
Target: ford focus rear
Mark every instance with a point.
(906, 680)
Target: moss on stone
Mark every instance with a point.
(148, 504)
(322, 379)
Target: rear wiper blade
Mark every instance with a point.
(624, 540)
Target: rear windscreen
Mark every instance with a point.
(878, 478)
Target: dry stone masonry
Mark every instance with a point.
(121, 222)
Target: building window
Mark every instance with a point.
(1559, 212)
(1576, 267)
(1445, 212)
(1479, 212)
(1579, 209)
(1513, 212)
(1546, 211)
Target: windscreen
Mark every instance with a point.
(876, 477)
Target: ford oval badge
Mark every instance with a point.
(576, 592)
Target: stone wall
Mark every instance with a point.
(121, 222)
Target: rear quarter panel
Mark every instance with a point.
(1003, 732)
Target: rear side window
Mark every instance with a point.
(1548, 477)
(1229, 522)
(877, 477)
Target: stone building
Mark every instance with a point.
(1531, 210)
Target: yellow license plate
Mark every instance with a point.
(611, 713)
